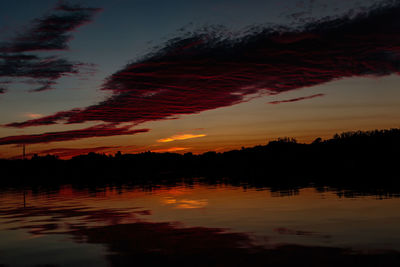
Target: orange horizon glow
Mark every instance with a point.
(66, 153)
(171, 149)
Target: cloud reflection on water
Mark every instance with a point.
(185, 203)
(124, 222)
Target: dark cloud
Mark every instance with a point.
(4, 86)
(95, 131)
(43, 68)
(75, 150)
(295, 99)
(207, 70)
(48, 120)
(46, 85)
(49, 33)
(52, 31)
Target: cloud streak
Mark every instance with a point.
(295, 99)
(50, 33)
(33, 115)
(180, 137)
(211, 69)
(95, 131)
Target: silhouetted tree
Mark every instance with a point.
(317, 140)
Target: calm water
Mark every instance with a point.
(128, 225)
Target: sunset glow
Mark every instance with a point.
(170, 149)
(200, 133)
(64, 83)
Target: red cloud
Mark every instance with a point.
(95, 131)
(207, 70)
(295, 99)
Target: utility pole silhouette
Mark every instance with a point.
(23, 158)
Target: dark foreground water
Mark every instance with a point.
(197, 224)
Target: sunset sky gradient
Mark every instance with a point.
(193, 76)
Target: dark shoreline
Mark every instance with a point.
(360, 162)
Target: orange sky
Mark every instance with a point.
(348, 104)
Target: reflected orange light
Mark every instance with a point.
(180, 137)
(186, 203)
(169, 201)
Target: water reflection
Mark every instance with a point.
(154, 244)
(186, 203)
(198, 224)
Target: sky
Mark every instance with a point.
(193, 76)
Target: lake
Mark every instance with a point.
(196, 224)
